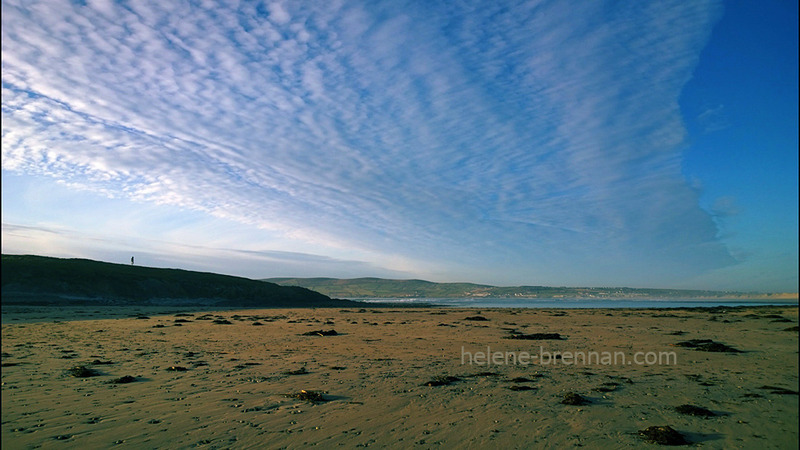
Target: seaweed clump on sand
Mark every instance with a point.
(536, 336)
(477, 318)
(524, 379)
(692, 410)
(779, 390)
(308, 396)
(484, 374)
(573, 399)
(441, 380)
(123, 380)
(101, 363)
(321, 333)
(520, 387)
(707, 345)
(663, 435)
(82, 372)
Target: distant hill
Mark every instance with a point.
(385, 288)
(38, 280)
(382, 288)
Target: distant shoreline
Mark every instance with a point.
(21, 314)
(374, 288)
(582, 303)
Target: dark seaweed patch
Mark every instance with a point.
(693, 410)
(523, 379)
(779, 390)
(535, 336)
(102, 363)
(663, 435)
(574, 399)
(321, 333)
(441, 380)
(82, 372)
(707, 345)
(124, 380)
(485, 374)
(520, 387)
(608, 387)
(308, 396)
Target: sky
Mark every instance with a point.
(606, 143)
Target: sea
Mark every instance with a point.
(562, 303)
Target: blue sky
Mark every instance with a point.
(645, 144)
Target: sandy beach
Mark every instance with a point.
(383, 377)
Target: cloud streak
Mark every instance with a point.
(512, 141)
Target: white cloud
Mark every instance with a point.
(278, 14)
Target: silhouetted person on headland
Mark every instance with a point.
(131, 260)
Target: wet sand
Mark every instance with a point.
(397, 378)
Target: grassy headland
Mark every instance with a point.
(38, 280)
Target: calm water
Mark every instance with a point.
(571, 302)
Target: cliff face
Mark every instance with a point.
(42, 280)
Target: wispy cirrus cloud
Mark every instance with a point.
(522, 140)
